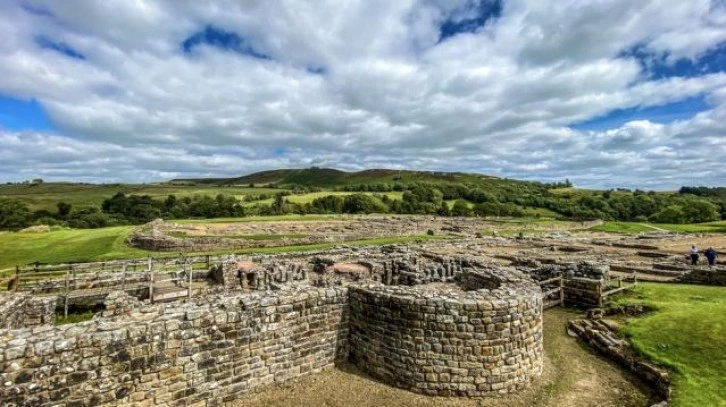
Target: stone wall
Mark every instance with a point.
(583, 282)
(703, 276)
(445, 342)
(429, 323)
(11, 310)
(23, 311)
(583, 292)
(177, 354)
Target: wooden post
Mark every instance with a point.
(151, 281)
(123, 277)
(562, 291)
(599, 295)
(17, 279)
(65, 300)
(189, 289)
(208, 263)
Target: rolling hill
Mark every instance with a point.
(328, 177)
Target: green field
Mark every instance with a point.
(86, 245)
(687, 333)
(47, 195)
(66, 246)
(309, 197)
(635, 227)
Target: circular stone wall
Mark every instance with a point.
(446, 341)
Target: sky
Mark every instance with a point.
(605, 93)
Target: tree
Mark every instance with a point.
(14, 214)
(362, 203)
(699, 211)
(279, 206)
(64, 209)
(461, 208)
(671, 214)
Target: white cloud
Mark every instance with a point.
(388, 94)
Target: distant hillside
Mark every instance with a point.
(328, 177)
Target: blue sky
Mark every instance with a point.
(606, 94)
(17, 114)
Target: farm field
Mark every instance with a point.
(686, 333)
(47, 195)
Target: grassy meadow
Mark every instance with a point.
(84, 245)
(635, 227)
(687, 333)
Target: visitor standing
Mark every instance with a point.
(710, 256)
(694, 255)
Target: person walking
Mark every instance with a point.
(694, 255)
(710, 256)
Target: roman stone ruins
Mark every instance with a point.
(457, 318)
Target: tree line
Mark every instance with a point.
(499, 198)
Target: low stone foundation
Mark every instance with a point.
(704, 276)
(600, 335)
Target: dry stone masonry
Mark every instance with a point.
(445, 341)
(460, 318)
(206, 353)
(24, 310)
(438, 325)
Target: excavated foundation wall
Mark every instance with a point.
(480, 337)
(475, 343)
(176, 355)
(704, 276)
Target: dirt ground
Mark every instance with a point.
(702, 242)
(573, 377)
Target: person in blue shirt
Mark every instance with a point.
(710, 256)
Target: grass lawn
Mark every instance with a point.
(66, 246)
(86, 245)
(636, 227)
(688, 334)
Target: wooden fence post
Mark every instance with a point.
(599, 295)
(65, 299)
(151, 281)
(123, 277)
(562, 291)
(17, 279)
(191, 273)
